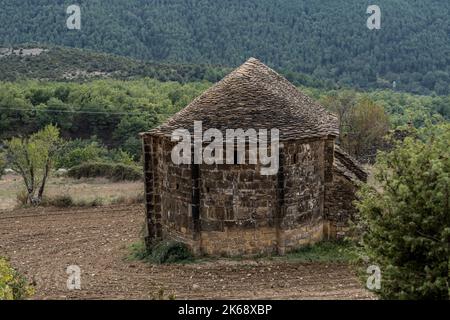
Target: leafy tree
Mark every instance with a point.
(364, 128)
(33, 158)
(122, 157)
(405, 217)
(129, 127)
(342, 104)
(78, 151)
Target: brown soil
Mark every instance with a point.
(42, 243)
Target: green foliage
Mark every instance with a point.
(112, 171)
(33, 159)
(82, 65)
(362, 122)
(112, 110)
(78, 151)
(405, 218)
(170, 252)
(138, 251)
(13, 286)
(328, 40)
(162, 252)
(364, 129)
(326, 251)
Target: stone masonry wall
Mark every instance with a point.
(303, 185)
(168, 189)
(237, 210)
(241, 211)
(340, 194)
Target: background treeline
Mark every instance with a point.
(110, 112)
(324, 39)
(102, 118)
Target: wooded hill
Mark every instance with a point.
(328, 39)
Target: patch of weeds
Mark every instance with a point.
(325, 251)
(163, 252)
(138, 251)
(62, 201)
(128, 200)
(22, 198)
(66, 201)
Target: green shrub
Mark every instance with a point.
(405, 221)
(162, 252)
(170, 252)
(120, 156)
(13, 286)
(138, 251)
(112, 171)
(79, 151)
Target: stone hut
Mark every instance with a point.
(233, 209)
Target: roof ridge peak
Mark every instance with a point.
(256, 96)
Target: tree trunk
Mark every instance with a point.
(44, 180)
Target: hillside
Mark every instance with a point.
(328, 40)
(71, 64)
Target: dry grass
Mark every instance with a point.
(84, 190)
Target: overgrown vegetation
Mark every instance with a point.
(405, 217)
(13, 286)
(162, 252)
(113, 171)
(78, 151)
(362, 123)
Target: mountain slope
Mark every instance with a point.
(327, 39)
(70, 64)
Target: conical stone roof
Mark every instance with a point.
(255, 96)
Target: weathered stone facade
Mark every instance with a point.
(232, 209)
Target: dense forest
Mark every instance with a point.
(327, 40)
